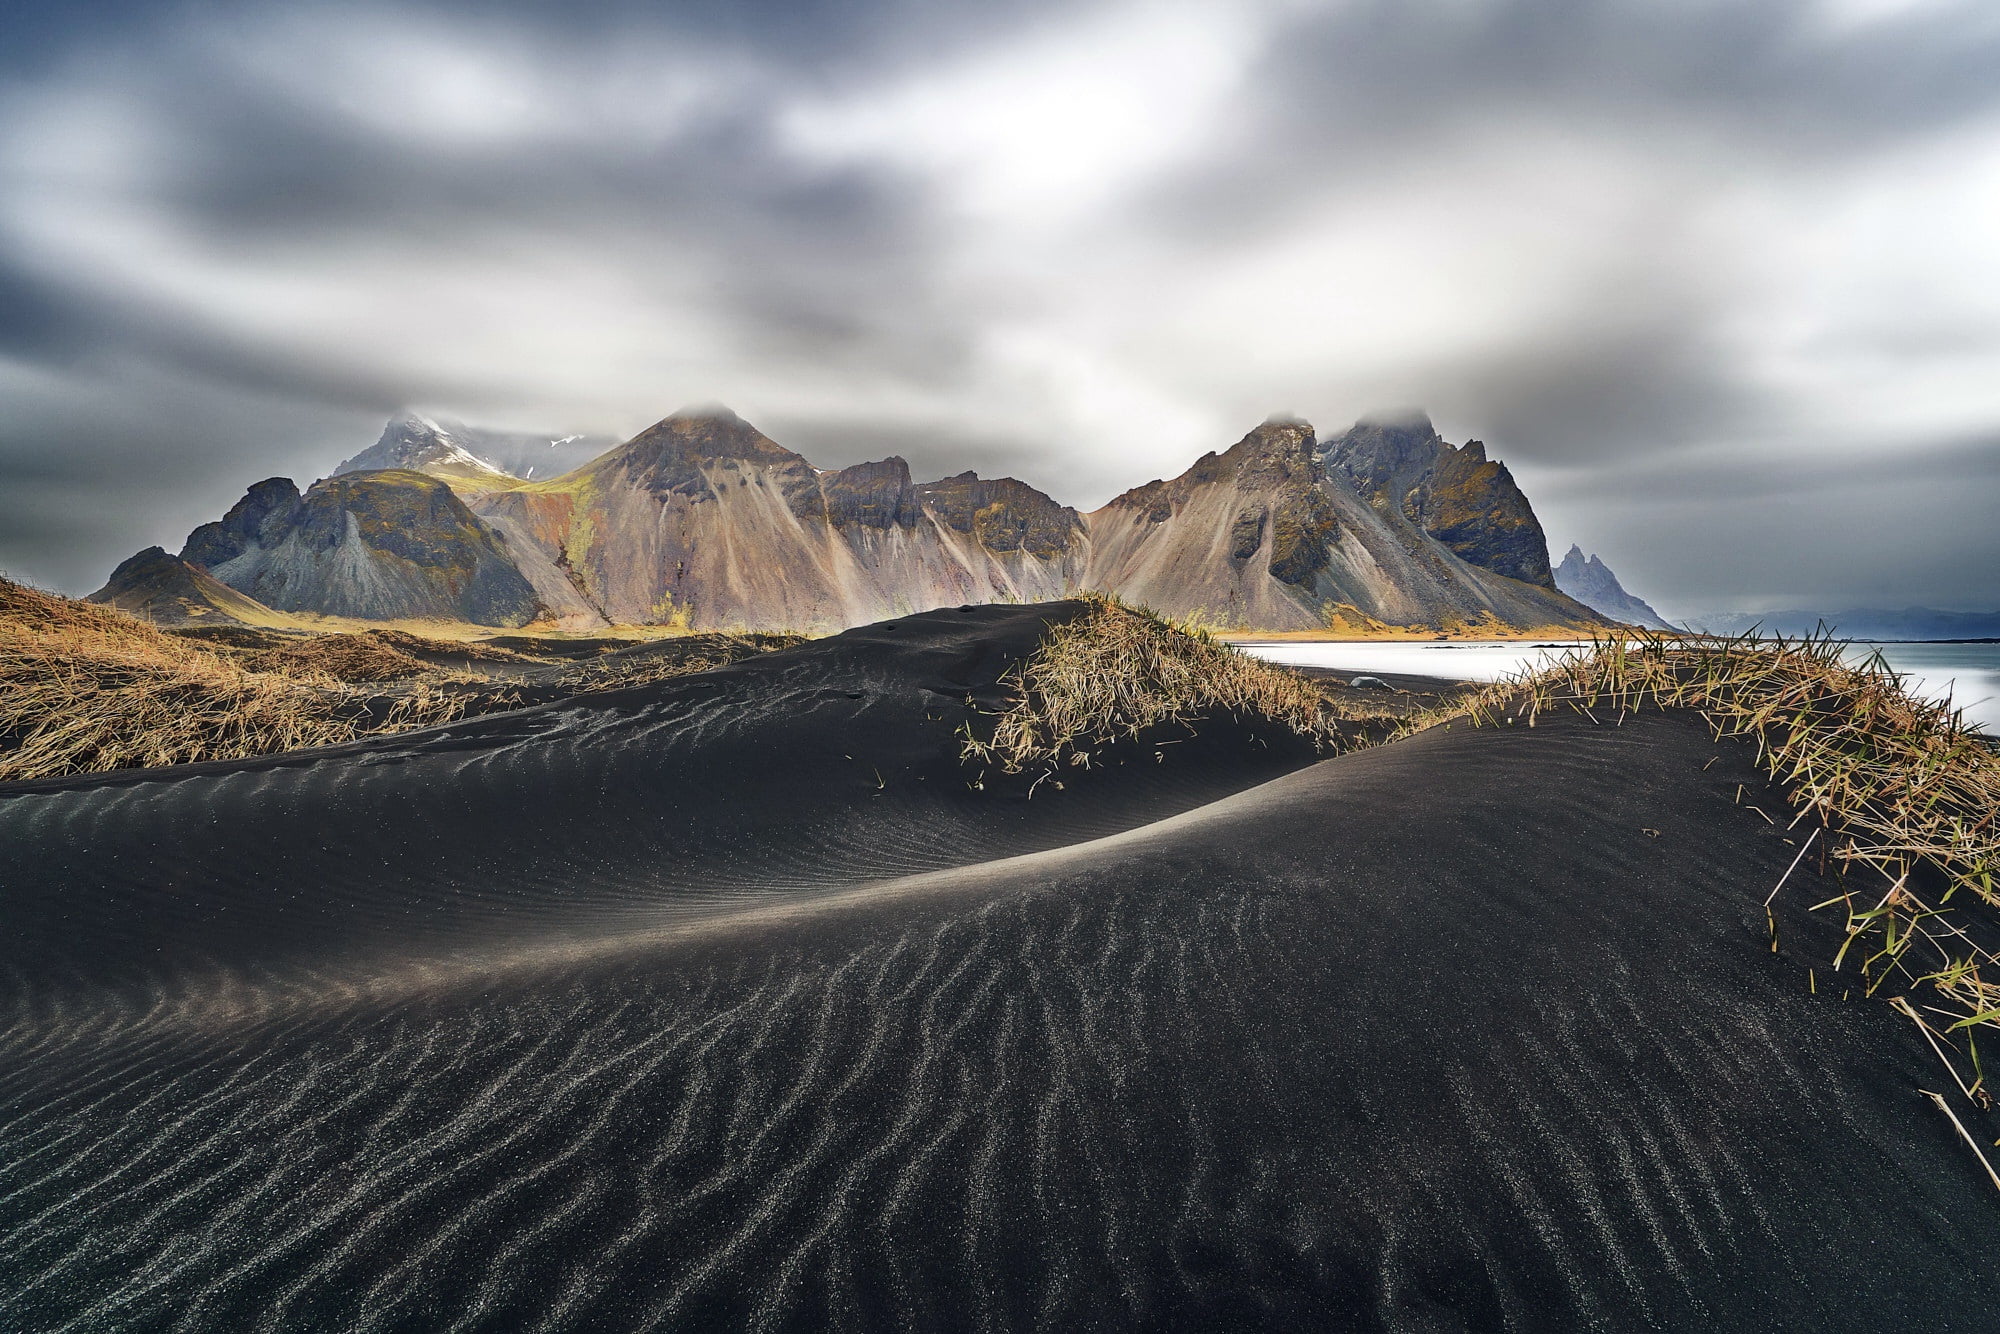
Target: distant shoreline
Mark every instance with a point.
(1243, 637)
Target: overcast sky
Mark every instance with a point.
(1721, 282)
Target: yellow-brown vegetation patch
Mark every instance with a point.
(363, 657)
(85, 688)
(701, 652)
(1115, 672)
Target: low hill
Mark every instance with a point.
(169, 591)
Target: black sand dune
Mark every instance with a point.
(662, 1012)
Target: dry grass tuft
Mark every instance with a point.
(1116, 671)
(47, 613)
(84, 689)
(467, 650)
(669, 659)
(1900, 795)
(363, 657)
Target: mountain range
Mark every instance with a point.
(702, 520)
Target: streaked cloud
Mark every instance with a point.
(1716, 279)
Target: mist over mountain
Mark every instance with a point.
(704, 521)
(447, 448)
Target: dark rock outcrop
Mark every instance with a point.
(1467, 503)
(873, 495)
(375, 545)
(268, 511)
(1003, 515)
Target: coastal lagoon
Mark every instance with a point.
(1968, 673)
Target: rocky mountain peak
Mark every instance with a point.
(711, 411)
(873, 495)
(1291, 435)
(1378, 451)
(705, 433)
(1591, 582)
(268, 509)
(415, 441)
(703, 453)
(1401, 466)
(378, 543)
(1002, 513)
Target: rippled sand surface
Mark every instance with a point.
(728, 1004)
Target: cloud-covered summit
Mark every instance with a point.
(1716, 279)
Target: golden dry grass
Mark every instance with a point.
(84, 689)
(702, 653)
(1899, 794)
(363, 657)
(470, 650)
(1115, 672)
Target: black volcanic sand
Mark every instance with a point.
(658, 1010)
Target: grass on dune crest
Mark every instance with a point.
(84, 688)
(1895, 793)
(701, 652)
(1117, 671)
(363, 657)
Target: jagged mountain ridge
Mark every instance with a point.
(703, 520)
(388, 545)
(1591, 582)
(1456, 496)
(1288, 532)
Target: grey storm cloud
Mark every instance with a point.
(1716, 280)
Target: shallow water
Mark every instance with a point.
(1968, 673)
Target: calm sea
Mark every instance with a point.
(1968, 673)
